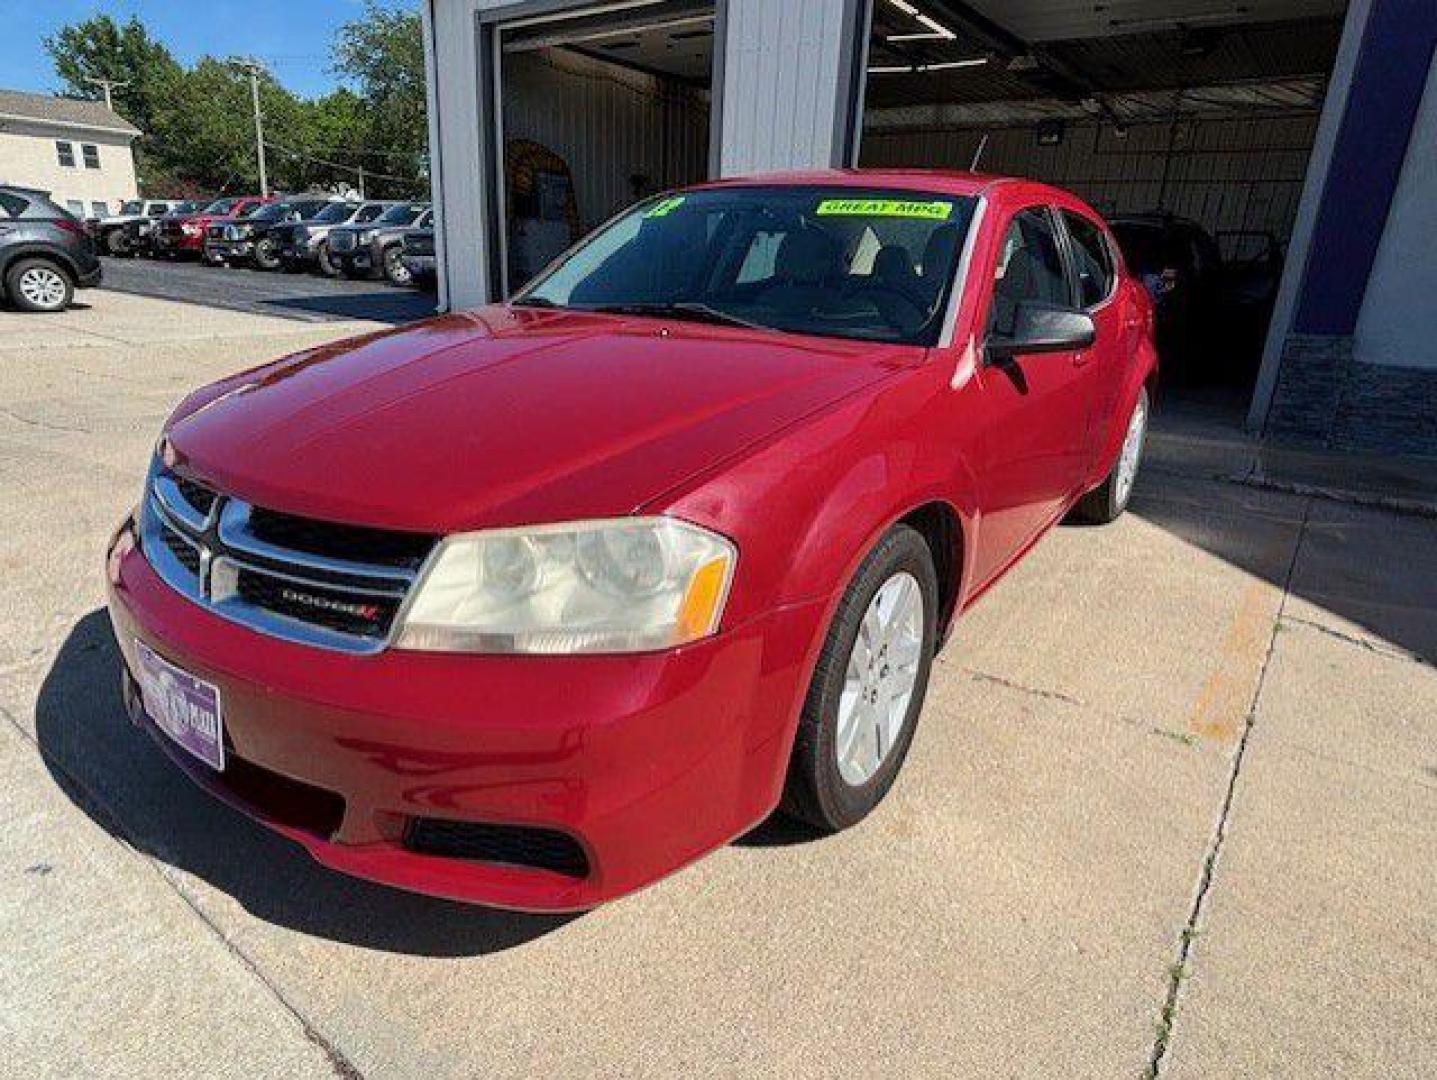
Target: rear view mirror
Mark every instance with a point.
(1040, 328)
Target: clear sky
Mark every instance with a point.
(292, 36)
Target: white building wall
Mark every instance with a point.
(781, 84)
(28, 158)
(1391, 327)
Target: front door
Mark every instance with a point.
(1036, 407)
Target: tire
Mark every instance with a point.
(39, 285)
(395, 272)
(266, 255)
(117, 243)
(325, 262)
(1108, 500)
(822, 791)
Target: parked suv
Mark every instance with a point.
(305, 244)
(249, 239)
(45, 252)
(419, 257)
(376, 250)
(176, 235)
(109, 232)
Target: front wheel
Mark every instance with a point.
(1108, 500)
(394, 268)
(117, 242)
(39, 285)
(266, 254)
(867, 691)
(325, 260)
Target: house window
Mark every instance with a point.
(99, 209)
(66, 153)
(76, 207)
(92, 155)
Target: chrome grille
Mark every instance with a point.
(314, 582)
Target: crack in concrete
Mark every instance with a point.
(1033, 691)
(41, 425)
(1389, 651)
(96, 807)
(1179, 971)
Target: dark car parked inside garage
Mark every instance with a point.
(377, 249)
(45, 252)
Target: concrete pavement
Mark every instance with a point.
(1199, 737)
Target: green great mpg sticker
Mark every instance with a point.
(895, 208)
(664, 207)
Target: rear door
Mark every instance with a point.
(1036, 407)
(1095, 286)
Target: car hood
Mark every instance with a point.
(509, 416)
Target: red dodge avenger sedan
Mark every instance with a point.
(534, 604)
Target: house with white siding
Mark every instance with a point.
(81, 152)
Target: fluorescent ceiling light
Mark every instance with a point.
(917, 37)
(905, 7)
(919, 69)
(936, 26)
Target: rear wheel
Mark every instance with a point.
(1108, 500)
(868, 688)
(39, 285)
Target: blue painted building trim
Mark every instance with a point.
(1382, 103)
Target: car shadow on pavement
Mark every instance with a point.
(397, 306)
(112, 771)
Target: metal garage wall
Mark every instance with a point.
(608, 123)
(1225, 172)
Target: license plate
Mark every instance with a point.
(185, 708)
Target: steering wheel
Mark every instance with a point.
(893, 303)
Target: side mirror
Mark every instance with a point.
(1040, 328)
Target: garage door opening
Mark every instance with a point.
(596, 110)
(1187, 123)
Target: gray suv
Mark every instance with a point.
(305, 244)
(45, 253)
(377, 249)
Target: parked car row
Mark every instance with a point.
(321, 233)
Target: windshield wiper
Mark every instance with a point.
(691, 310)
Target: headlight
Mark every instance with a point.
(624, 585)
(190, 229)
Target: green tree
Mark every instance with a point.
(382, 55)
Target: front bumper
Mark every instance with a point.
(171, 244)
(360, 259)
(229, 249)
(421, 265)
(647, 761)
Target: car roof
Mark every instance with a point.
(926, 181)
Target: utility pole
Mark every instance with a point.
(254, 70)
(361, 182)
(108, 86)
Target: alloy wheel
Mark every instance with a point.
(43, 287)
(880, 678)
(1132, 452)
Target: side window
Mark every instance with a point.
(369, 213)
(66, 153)
(91, 153)
(1030, 268)
(12, 205)
(1092, 260)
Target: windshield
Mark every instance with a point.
(335, 212)
(271, 212)
(403, 214)
(134, 207)
(308, 210)
(220, 206)
(838, 262)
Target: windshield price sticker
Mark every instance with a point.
(895, 208)
(665, 207)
